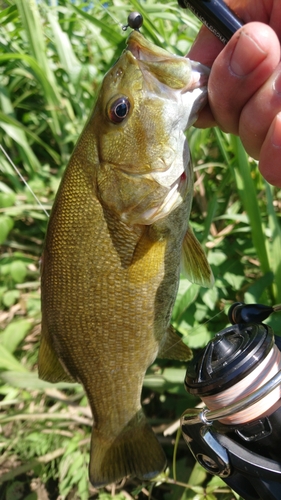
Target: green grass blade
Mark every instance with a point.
(211, 212)
(275, 242)
(67, 57)
(249, 196)
(32, 64)
(15, 124)
(31, 22)
(34, 30)
(106, 30)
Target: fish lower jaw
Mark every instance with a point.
(173, 199)
(199, 77)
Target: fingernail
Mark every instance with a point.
(276, 131)
(247, 55)
(277, 84)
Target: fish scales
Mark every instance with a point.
(112, 254)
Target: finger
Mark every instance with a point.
(259, 113)
(270, 155)
(205, 49)
(240, 69)
(264, 11)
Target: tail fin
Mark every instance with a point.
(135, 452)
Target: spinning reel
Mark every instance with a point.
(238, 378)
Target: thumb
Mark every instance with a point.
(270, 155)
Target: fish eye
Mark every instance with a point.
(118, 109)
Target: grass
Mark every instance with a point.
(53, 57)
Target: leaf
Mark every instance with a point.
(197, 476)
(6, 225)
(31, 496)
(7, 15)
(256, 290)
(210, 297)
(195, 337)
(214, 483)
(15, 491)
(216, 257)
(18, 271)
(83, 489)
(30, 380)
(174, 375)
(10, 297)
(7, 199)
(14, 333)
(187, 294)
(234, 280)
(9, 362)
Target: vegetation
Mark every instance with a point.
(53, 57)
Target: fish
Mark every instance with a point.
(117, 239)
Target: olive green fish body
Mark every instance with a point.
(112, 257)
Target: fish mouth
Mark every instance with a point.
(178, 80)
(175, 71)
(144, 50)
(172, 200)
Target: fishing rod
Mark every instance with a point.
(238, 374)
(216, 16)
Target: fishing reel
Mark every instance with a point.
(237, 435)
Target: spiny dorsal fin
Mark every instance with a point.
(194, 264)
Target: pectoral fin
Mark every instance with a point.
(194, 264)
(173, 347)
(49, 366)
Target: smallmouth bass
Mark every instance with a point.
(117, 234)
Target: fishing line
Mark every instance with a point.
(134, 20)
(191, 329)
(105, 6)
(23, 180)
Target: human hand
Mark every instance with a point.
(245, 82)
